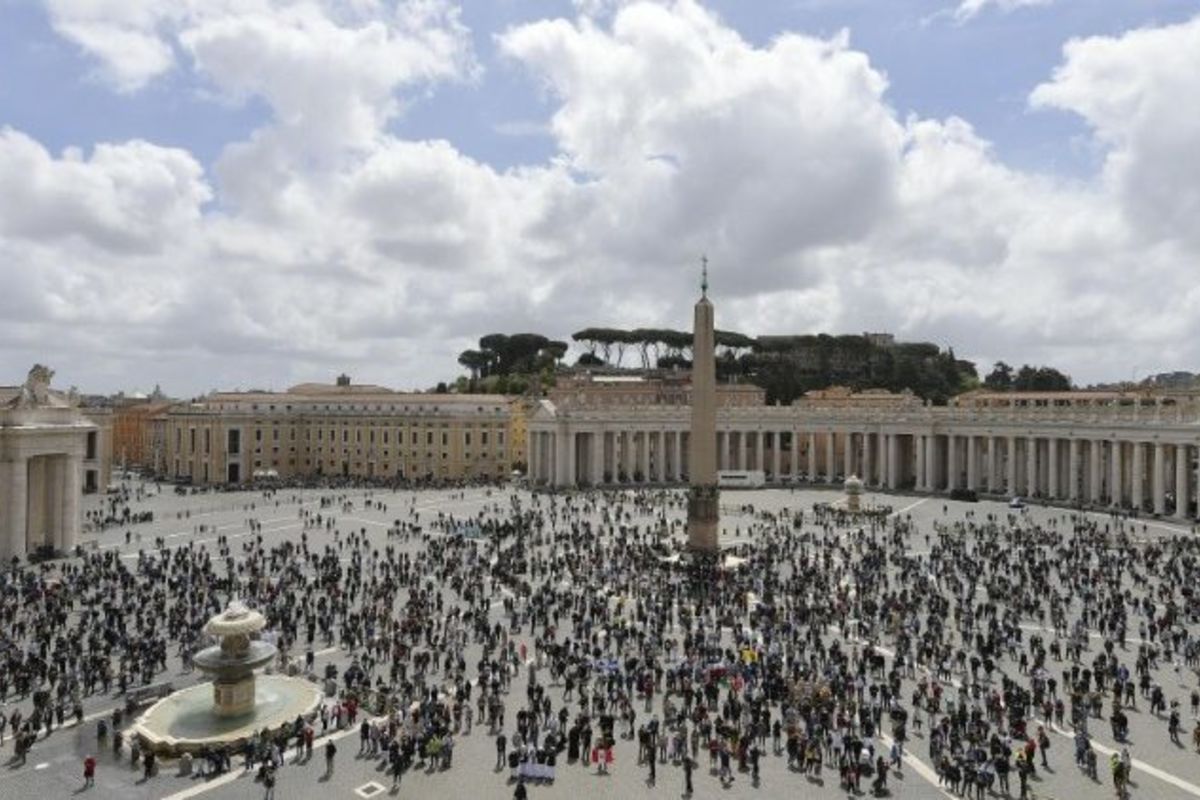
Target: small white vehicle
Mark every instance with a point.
(1016, 502)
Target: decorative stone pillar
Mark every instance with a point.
(1073, 470)
(931, 462)
(1052, 468)
(598, 457)
(13, 535)
(1182, 495)
(952, 468)
(72, 492)
(848, 454)
(1137, 490)
(1011, 466)
(760, 450)
(744, 451)
(1094, 452)
(1159, 479)
(776, 441)
(661, 456)
(1116, 486)
(1031, 469)
(993, 466)
(919, 443)
(867, 478)
(646, 476)
(812, 458)
(893, 461)
(830, 458)
(972, 465)
(677, 462)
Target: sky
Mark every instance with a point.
(224, 194)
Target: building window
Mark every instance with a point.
(233, 441)
(91, 447)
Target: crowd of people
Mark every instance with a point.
(571, 628)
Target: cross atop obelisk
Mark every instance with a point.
(702, 462)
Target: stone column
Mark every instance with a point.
(1139, 475)
(776, 440)
(1011, 465)
(893, 461)
(972, 465)
(1159, 479)
(1116, 486)
(597, 457)
(646, 476)
(677, 462)
(729, 450)
(743, 450)
(993, 479)
(795, 465)
(952, 469)
(760, 450)
(533, 442)
(13, 532)
(1182, 495)
(812, 457)
(72, 492)
(661, 456)
(629, 454)
(1073, 470)
(1031, 470)
(1052, 468)
(931, 461)
(569, 451)
(830, 458)
(866, 459)
(1094, 448)
(919, 444)
(848, 454)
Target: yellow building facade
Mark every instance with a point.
(339, 430)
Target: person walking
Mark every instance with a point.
(330, 752)
(688, 766)
(269, 784)
(89, 772)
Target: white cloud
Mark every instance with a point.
(1138, 93)
(129, 197)
(969, 9)
(337, 244)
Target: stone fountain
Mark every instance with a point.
(233, 661)
(237, 703)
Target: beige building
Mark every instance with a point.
(1144, 455)
(45, 443)
(339, 430)
(98, 452)
(139, 434)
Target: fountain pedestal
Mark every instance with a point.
(234, 698)
(240, 705)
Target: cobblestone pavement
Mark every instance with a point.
(53, 768)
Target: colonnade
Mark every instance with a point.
(1148, 472)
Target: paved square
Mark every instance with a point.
(425, 591)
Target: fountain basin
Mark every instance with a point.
(184, 721)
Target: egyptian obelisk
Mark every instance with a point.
(702, 463)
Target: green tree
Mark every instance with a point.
(1000, 379)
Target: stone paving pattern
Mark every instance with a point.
(54, 766)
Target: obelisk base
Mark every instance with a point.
(703, 519)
